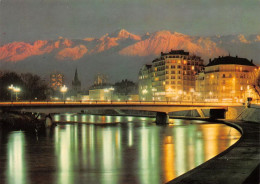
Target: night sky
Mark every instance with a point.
(29, 20)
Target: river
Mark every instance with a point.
(110, 149)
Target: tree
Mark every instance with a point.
(125, 88)
(6, 80)
(32, 86)
(35, 87)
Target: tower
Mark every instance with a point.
(76, 84)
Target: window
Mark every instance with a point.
(179, 66)
(223, 76)
(172, 66)
(172, 72)
(179, 72)
(172, 77)
(172, 82)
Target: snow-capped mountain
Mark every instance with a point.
(120, 51)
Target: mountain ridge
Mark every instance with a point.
(129, 44)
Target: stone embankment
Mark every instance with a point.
(240, 163)
(250, 114)
(244, 113)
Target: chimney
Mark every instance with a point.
(209, 60)
(236, 56)
(251, 60)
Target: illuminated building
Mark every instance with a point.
(100, 80)
(56, 80)
(103, 93)
(101, 90)
(145, 83)
(228, 79)
(172, 76)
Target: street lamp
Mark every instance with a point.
(11, 87)
(63, 90)
(111, 92)
(16, 90)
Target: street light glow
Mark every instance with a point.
(16, 89)
(11, 87)
(63, 90)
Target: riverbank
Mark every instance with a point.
(238, 164)
(21, 121)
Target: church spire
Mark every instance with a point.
(76, 78)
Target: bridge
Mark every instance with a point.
(162, 108)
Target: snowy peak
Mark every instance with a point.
(164, 41)
(124, 34)
(122, 42)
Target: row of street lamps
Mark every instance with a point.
(15, 90)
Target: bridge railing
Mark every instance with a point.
(120, 103)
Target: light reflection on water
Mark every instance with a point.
(16, 166)
(94, 151)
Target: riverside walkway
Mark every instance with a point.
(238, 164)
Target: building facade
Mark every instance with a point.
(101, 93)
(172, 76)
(227, 79)
(145, 89)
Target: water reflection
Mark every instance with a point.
(16, 165)
(116, 149)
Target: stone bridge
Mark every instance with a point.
(217, 110)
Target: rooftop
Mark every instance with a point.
(229, 60)
(176, 52)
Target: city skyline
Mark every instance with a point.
(117, 37)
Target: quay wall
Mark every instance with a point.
(244, 113)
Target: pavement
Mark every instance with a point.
(238, 164)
